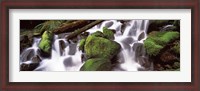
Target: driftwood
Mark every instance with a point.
(71, 26)
(83, 29)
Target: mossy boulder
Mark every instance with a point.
(81, 44)
(46, 41)
(98, 34)
(98, 47)
(108, 33)
(157, 41)
(96, 64)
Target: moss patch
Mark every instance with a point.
(96, 64)
(96, 47)
(46, 41)
(157, 40)
(108, 33)
(81, 44)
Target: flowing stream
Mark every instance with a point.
(130, 35)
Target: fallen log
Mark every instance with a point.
(83, 29)
(71, 26)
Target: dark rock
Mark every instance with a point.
(141, 36)
(27, 55)
(128, 40)
(144, 62)
(108, 24)
(62, 46)
(28, 67)
(72, 49)
(24, 43)
(83, 57)
(68, 62)
(36, 59)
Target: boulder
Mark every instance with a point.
(97, 64)
(46, 42)
(109, 34)
(101, 47)
(28, 67)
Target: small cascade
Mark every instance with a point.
(67, 57)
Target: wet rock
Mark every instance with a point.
(83, 57)
(62, 46)
(27, 55)
(72, 49)
(144, 62)
(128, 40)
(28, 67)
(36, 59)
(24, 43)
(68, 62)
(108, 24)
(141, 36)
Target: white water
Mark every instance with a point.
(134, 34)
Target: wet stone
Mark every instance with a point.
(141, 36)
(128, 40)
(72, 49)
(36, 59)
(68, 62)
(28, 67)
(108, 24)
(62, 46)
(27, 55)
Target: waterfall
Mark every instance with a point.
(66, 56)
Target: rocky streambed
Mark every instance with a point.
(108, 45)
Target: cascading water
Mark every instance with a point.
(67, 57)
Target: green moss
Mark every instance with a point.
(81, 44)
(98, 34)
(96, 64)
(108, 33)
(96, 47)
(157, 40)
(46, 41)
(152, 47)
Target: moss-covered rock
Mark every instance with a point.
(108, 33)
(81, 44)
(46, 41)
(158, 40)
(96, 47)
(98, 34)
(96, 64)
